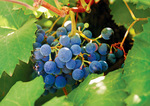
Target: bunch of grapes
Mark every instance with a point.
(66, 60)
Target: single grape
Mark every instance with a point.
(90, 48)
(41, 31)
(76, 49)
(66, 70)
(50, 39)
(60, 82)
(102, 49)
(64, 54)
(106, 33)
(86, 71)
(46, 58)
(58, 71)
(78, 63)
(39, 38)
(37, 54)
(71, 64)
(70, 80)
(49, 79)
(61, 31)
(59, 63)
(36, 45)
(118, 53)
(98, 57)
(64, 40)
(67, 25)
(95, 66)
(104, 65)
(111, 58)
(45, 50)
(50, 67)
(75, 40)
(77, 74)
(92, 57)
(87, 33)
(81, 25)
(38, 26)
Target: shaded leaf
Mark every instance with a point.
(24, 93)
(22, 73)
(122, 16)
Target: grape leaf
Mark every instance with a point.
(137, 68)
(22, 73)
(122, 16)
(103, 90)
(61, 101)
(24, 93)
(140, 4)
(16, 37)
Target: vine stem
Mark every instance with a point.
(65, 91)
(21, 3)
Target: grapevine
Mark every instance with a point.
(74, 54)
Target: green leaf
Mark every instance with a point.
(24, 93)
(22, 73)
(102, 90)
(122, 16)
(16, 37)
(61, 101)
(140, 4)
(137, 67)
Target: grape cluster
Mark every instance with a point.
(65, 60)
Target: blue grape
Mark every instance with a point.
(61, 31)
(111, 58)
(64, 40)
(71, 64)
(66, 70)
(64, 54)
(46, 58)
(57, 72)
(104, 65)
(75, 40)
(106, 33)
(36, 45)
(59, 63)
(95, 66)
(37, 54)
(39, 38)
(87, 33)
(50, 67)
(67, 25)
(38, 26)
(70, 80)
(81, 25)
(102, 49)
(77, 74)
(41, 31)
(86, 71)
(76, 49)
(98, 57)
(90, 48)
(118, 53)
(45, 50)
(49, 79)
(50, 39)
(78, 63)
(92, 57)
(60, 82)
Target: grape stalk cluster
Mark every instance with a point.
(66, 60)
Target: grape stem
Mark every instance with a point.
(21, 3)
(65, 91)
